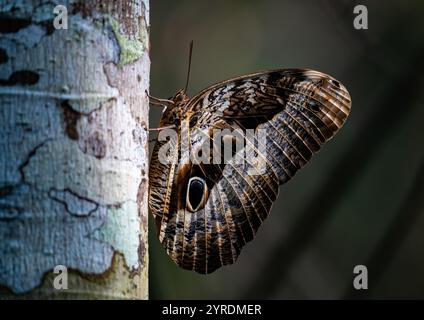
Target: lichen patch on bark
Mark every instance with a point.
(130, 50)
(122, 231)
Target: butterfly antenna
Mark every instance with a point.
(189, 65)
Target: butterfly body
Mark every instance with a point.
(206, 212)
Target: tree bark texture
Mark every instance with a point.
(73, 149)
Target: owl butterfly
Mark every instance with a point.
(205, 212)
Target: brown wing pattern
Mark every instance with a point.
(298, 109)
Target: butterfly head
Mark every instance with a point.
(180, 98)
(173, 112)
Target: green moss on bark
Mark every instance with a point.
(131, 50)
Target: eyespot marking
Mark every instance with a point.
(196, 194)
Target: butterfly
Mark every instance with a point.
(205, 213)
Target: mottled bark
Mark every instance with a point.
(73, 149)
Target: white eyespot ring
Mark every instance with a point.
(197, 194)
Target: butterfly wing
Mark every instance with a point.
(292, 113)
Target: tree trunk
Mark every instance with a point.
(73, 149)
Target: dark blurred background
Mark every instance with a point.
(361, 199)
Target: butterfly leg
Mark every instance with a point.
(162, 128)
(159, 102)
(159, 129)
